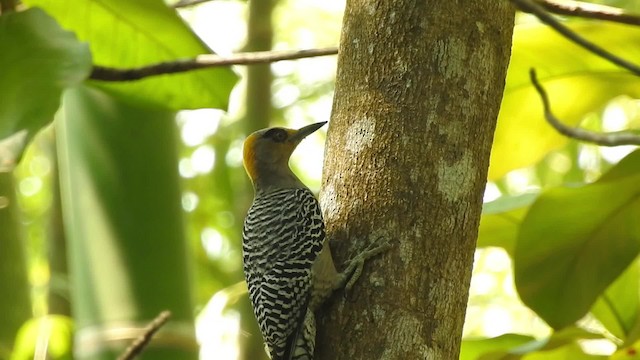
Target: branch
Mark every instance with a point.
(187, 3)
(606, 139)
(204, 62)
(589, 11)
(143, 340)
(540, 13)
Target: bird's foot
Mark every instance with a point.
(353, 269)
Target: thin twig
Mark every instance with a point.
(540, 13)
(187, 3)
(589, 11)
(143, 340)
(203, 62)
(603, 139)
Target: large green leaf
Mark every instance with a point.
(617, 309)
(120, 191)
(473, 349)
(628, 166)
(39, 60)
(125, 33)
(574, 242)
(627, 353)
(560, 345)
(569, 352)
(501, 220)
(577, 82)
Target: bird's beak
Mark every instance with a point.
(306, 131)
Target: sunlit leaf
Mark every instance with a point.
(53, 333)
(617, 309)
(39, 59)
(515, 346)
(125, 34)
(472, 349)
(122, 155)
(558, 340)
(628, 166)
(568, 352)
(501, 220)
(627, 353)
(577, 82)
(574, 242)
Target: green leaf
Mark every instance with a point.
(627, 353)
(122, 156)
(568, 352)
(577, 83)
(628, 166)
(472, 349)
(514, 346)
(126, 34)
(558, 340)
(56, 329)
(561, 338)
(574, 242)
(39, 60)
(501, 220)
(617, 309)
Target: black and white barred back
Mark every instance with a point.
(282, 236)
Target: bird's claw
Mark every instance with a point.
(354, 266)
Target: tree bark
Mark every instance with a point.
(418, 90)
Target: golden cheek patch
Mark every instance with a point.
(249, 154)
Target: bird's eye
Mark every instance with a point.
(276, 134)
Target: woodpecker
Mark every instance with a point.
(287, 262)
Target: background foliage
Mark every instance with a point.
(556, 273)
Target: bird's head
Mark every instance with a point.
(266, 154)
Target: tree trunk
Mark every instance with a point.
(418, 91)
